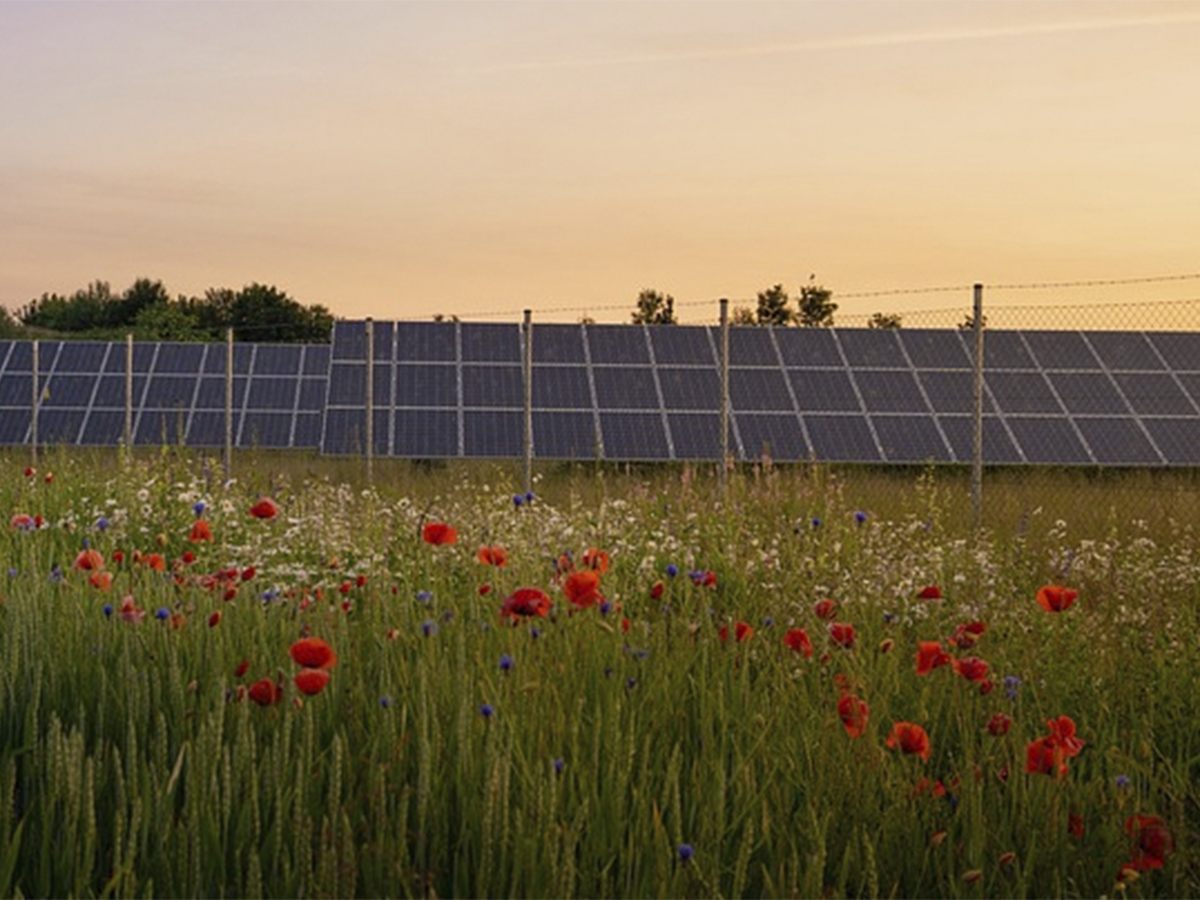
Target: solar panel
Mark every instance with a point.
(936, 348)
(1178, 439)
(824, 390)
(625, 388)
(1006, 350)
(1118, 441)
(680, 346)
(425, 385)
(777, 436)
(1180, 350)
(623, 345)
(491, 342)
(759, 389)
(808, 348)
(695, 436)
(1021, 392)
(1045, 439)
(752, 347)
(561, 387)
(278, 359)
(1061, 350)
(690, 388)
(565, 435)
(558, 344)
(637, 436)
(911, 439)
(877, 348)
(1154, 394)
(1131, 351)
(842, 438)
(997, 445)
(84, 356)
(493, 386)
(952, 392)
(1083, 393)
(890, 391)
(493, 433)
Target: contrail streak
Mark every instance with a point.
(852, 43)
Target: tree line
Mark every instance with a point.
(146, 310)
(812, 307)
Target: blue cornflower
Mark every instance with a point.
(535, 632)
(198, 508)
(429, 627)
(529, 496)
(162, 613)
(518, 499)
(890, 618)
(56, 574)
(102, 524)
(12, 573)
(1012, 684)
(768, 621)
(107, 609)
(816, 522)
(487, 710)
(630, 683)
(506, 662)
(558, 766)
(860, 517)
(425, 597)
(672, 570)
(686, 852)
(1122, 781)
(605, 607)
(385, 701)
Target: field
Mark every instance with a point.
(628, 683)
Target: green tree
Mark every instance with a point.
(815, 305)
(143, 294)
(654, 308)
(884, 320)
(742, 315)
(170, 321)
(9, 327)
(265, 314)
(773, 307)
(88, 309)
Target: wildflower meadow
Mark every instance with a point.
(808, 683)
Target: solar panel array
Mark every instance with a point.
(178, 393)
(626, 392)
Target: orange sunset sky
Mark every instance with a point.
(401, 159)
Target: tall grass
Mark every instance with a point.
(629, 752)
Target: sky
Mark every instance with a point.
(406, 159)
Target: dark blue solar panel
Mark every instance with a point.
(426, 433)
(1117, 441)
(759, 389)
(428, 386)
(824, 390)
(491, 342)
(561, 387)
(169, 391)
(14, 426)
(680, 345)
(621, 388)
(143, 358)
(558, 344)
(1178, 439)
(751, 347)
(889, 391)
(1047, 440)
(350, 340)
(841, 438)
(207, 429)
(998, 448)
(211, 392)
(619, 344)
(877, 348)
(16, 390)
(384, 377)
(1121, 350)
(382, 434)
(68, 390)
(5, 350)
(103, 428)
(1061, 350)
(696, 435)
(175, 359)
(1154, 394)
(278, 359)
(633, 436)
(85, 356)
(1191, 384)
(348, 383)
(272, 393)
(159, 427)
(777, 436)
(266, 429)
(1005, 350)
(690, 388)
(930, 348)
(808, 347)
(316, 360)
(215, 362)
(1087, 393)
(110, 391)
(910, 439)
(308, 431)
(493, 386)
(382, 340)
(345, 432)
(952, 392)
(1181, 350)
(493, 433)
(20, 359)
(564, 435)
(59, 426)
(427, 342)
(1021, 392)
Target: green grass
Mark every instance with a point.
(132, 763)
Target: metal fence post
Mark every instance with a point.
(128, 398)
(723, 472)
(369, 400)
(977, 437)
(228, 404)
(527, 449)
(35, 399)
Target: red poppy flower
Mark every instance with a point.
(596, 560)
(22, 522)
(493, 556)
(200, 532)
(215, 619)
(1048, 755)
(797, 640)
(265, 692)
(998, 725)
(89, 561)
(971, 668)
(1076, 826)
(438, 533)
(935, 788)
(1062, 732)
(842, 634)
(526, 601)
(248, 573)
(311, 681)
(741, 632)
(930, 656)
(931, 592)
(1054, 598)
(966, 635)
(854, 714)
(266, 508)
(1154, 841)
(908, 737)
(155, 561)
(582, 588)
(101, 581)
(313, 653)
(242, 668)
(825, 609)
